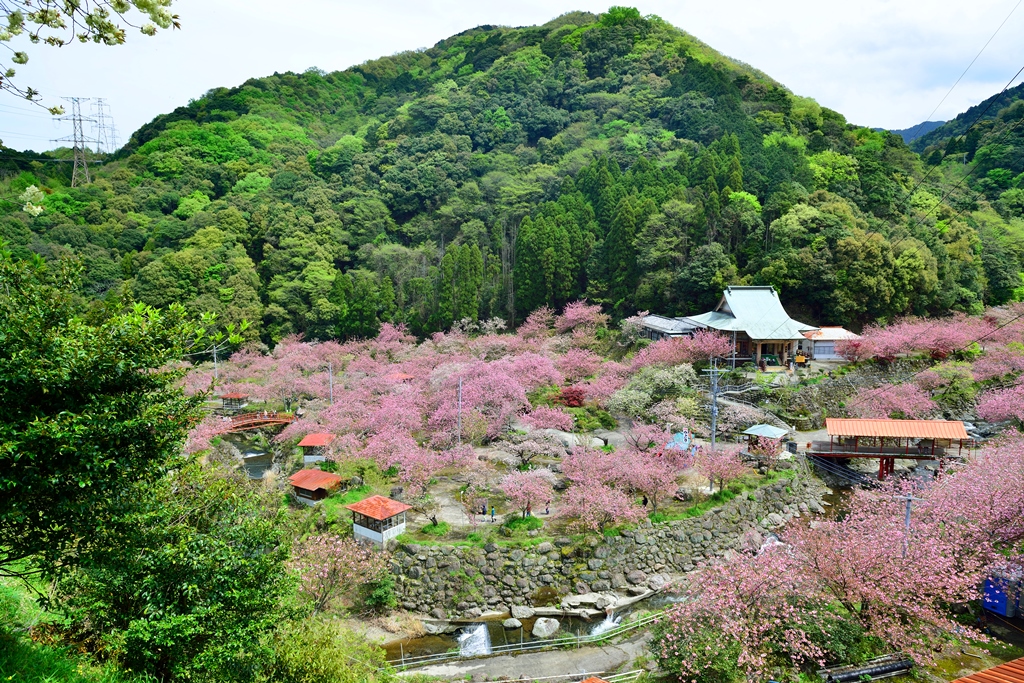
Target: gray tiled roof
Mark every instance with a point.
(756, 311)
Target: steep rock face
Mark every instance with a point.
(460, 579)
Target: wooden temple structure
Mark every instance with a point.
(890, 440)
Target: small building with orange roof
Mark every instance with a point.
(311, 486)
(314, 447)
(234, 401)
(378, 519)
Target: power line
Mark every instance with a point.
(953, 87)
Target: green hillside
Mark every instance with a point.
(612, 157)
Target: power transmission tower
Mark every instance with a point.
(101, 128)
(115, 140)
(80, 173)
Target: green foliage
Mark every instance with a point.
(440, 529)
(90, 410)
(611, 157)
(322, 650)
(380, 594)
(517, 523)
(187, 585)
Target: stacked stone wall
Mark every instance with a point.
(461, 581)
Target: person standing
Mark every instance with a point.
(492, 514)
(547, 508)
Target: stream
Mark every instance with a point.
(479, 637)
(256, 460)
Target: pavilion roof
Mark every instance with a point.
(897, 429)
(316, 440)
(379, 507)
(235, 395)
(311, 480)
(756, 311)
(1011, 672)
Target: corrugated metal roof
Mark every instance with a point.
(831, 334)
(896, 429)
(316, 440)
(756, 311)
(379, 507)
(311, 480)
(1011, 672)
(771, 431)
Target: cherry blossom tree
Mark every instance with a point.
(753, 612)
(537, 324)
(591, 506)
(580, 314)
(722, 464)
(766, 449)
(577, 364)
(899, 401)
(525, 490)
(1004, 404)
(543, 417)
(701, 347)
(330, 567)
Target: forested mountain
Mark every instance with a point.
(611, 157)
(914, 132)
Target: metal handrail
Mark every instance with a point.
(574, 641)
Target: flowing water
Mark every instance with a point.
(610, 622)
(475, 640)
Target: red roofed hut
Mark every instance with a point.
(314, 447)
(313, 485)
(378, 519)
(234, 402)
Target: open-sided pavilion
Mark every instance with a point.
(890, 440)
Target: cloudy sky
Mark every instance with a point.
(881, 63)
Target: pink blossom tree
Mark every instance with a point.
(580, 314)
(756, 611)
(899, 401)
(537, 324)
(722, 464)
(525, 490)
(543, 417)
(330, 567)
(577, 364)
(591, 506)
(1003, 404)
(701, 347)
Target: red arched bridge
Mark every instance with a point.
(257, 420)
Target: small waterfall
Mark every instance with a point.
(475, 641)
(610, 622)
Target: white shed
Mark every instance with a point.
(378, 519)
(821, 343)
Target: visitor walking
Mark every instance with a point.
(492, 514)
(547, 508)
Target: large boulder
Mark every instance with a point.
(545, 627)
(512, 623)
(522, 612)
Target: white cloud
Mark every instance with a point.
(879, 62)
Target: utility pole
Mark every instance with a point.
(330, 379)
(80, 172)
(713, 378)
(459, 427)
(906, 521)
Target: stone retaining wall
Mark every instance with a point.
(458, 581)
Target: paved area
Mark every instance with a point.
(525, 667)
